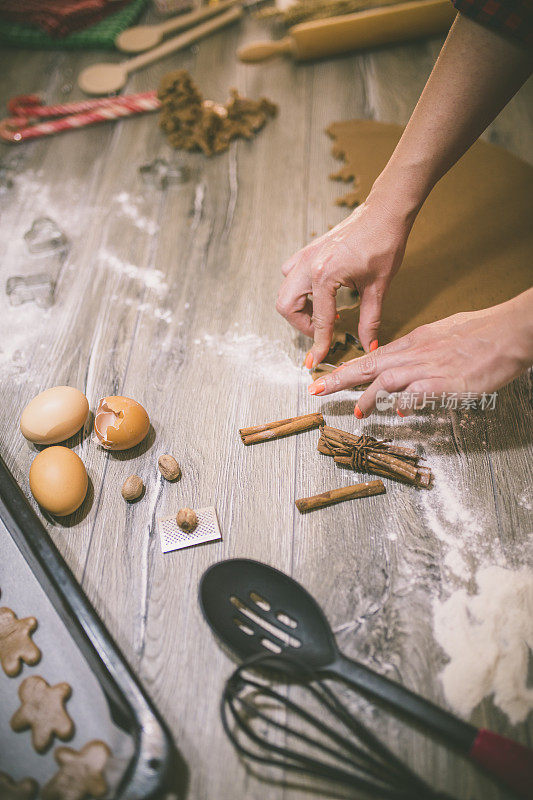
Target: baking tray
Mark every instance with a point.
(108, 702)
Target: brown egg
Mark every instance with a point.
(58, 480)
(54, 415)
(120, 423)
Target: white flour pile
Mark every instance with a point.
(488, 638)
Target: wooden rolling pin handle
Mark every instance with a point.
(261, 51)
(184, 40)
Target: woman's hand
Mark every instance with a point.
(476, 352)
(363, 252)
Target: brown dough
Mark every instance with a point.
(16, 645)
(81, 773)
(25, 789)
(343, 348)
(192, 123)
(472, 244)
(43, 710)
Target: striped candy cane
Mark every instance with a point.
(70, 115)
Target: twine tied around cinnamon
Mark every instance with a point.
(367, 454)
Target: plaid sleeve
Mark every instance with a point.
(511, 17)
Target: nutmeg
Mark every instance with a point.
(169, 467)
(132, 488)
(187, 519)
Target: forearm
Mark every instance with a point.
(476, 74)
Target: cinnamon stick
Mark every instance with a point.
(339, 495)
(280, 428)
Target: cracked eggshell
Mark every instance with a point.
(58, 480)
(120, 423)
(54, 415)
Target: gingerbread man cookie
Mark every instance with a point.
(23, 790)
(16, 645)
(43, 710)
(81, 773)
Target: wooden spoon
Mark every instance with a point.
(144, 37)
(106, 78)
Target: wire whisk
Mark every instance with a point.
(318, 737)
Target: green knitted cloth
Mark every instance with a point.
(100, 36)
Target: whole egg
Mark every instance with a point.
(54, 415)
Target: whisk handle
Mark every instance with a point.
(509, 761)
(456, 732)
(506, 760)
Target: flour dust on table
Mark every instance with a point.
(256, 355)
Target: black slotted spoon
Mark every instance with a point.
(255, 609)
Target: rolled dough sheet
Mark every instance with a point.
(472, 244)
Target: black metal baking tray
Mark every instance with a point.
(155, 768)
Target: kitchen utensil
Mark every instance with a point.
(254, 608)
(33, 120)
(106, 78)
(311, 732)
(358, 31)
(143, 37)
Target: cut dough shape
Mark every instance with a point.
(25, 789)
(471, 246)
(16, 645)
(81, 773)
(343, 347)
(43, 710)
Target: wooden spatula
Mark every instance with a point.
(106, 78)
(144, 37)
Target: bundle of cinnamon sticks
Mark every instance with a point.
(367, 454)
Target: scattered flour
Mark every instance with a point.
(130, 207)
(526, 500)
(488, 638)
(263, 358)
(151, 278)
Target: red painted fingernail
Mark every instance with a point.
(358, 413)
(400, 413)
(337, 316)
(374, 345)
(317, 387)
(308, 363)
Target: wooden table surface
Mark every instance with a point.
(168, 297)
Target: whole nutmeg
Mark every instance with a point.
(187, 519)
(169, 467)
(132, 488)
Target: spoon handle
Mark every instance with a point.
(184, 39)
(504, 759)
(193, 17)
(457, 732)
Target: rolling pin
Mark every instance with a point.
(364, 29)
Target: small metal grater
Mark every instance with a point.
(173, 538)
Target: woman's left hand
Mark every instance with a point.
(476, 352)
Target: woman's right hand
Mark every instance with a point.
(363, 253)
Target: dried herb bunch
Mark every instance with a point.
(367, 454)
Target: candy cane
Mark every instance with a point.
(88, 112)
